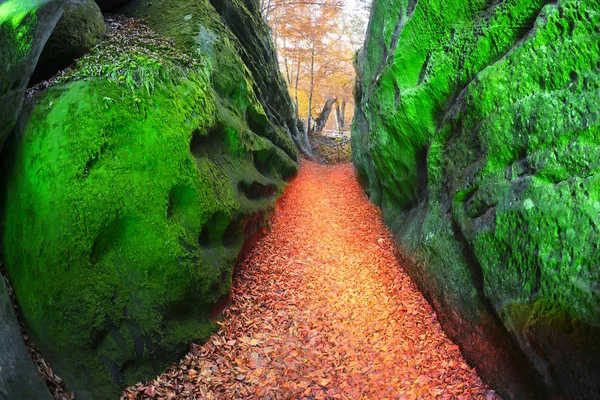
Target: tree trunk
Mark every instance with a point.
(288, 77)
(300, 137)
(340, 114)
(297, 79)
(310, 96)
(321, 120)
(267, 10)
(337, 118)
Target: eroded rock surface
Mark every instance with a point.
(133, 187)
(478, 133)
(236, 39)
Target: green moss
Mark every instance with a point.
(17, 20)
(140, 59)
(479, 135)
(539, 137)
(200, 30)
(438, 53)
(15, 11)
(124, 208)
(88, 240)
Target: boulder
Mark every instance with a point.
(478, 132)
(132, 192)
(245, 68)
(24, 29)
(80, 28)
(19, 377)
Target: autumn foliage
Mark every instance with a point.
(323, 310)
(316, 42)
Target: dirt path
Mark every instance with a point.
(323, 310)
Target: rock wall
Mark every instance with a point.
(242, 53)
(19, 377)
(478, 133)
(133, 184)
(80, 28)
(24, 29)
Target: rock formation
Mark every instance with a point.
(80, 28)
(19, 378)
(478, 132)
(134, 183)
(24, 30)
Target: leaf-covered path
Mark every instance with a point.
(323, 310)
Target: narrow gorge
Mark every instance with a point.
(169, 228)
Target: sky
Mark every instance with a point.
(356, 7)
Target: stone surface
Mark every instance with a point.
(80, 28)
(19, 377)
(126, 211)
(478, 134)
(236, 39)
(24, 29)
(245, 22)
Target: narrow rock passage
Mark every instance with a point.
(323, 310)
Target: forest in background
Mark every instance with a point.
(316, 42)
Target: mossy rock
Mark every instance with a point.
(20, 378)
(246, 75)
(24, 29)
(80, 28)
(94, 254)
(478, 133)
(543, 327)
(244, 19)
(125, 210)
(123, 219)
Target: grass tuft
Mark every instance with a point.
(134, 56)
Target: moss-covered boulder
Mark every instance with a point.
(234, 36)
(24, 29)
(80, 28)
(132, 188)
(478, 133)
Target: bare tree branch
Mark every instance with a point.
(270, 7)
